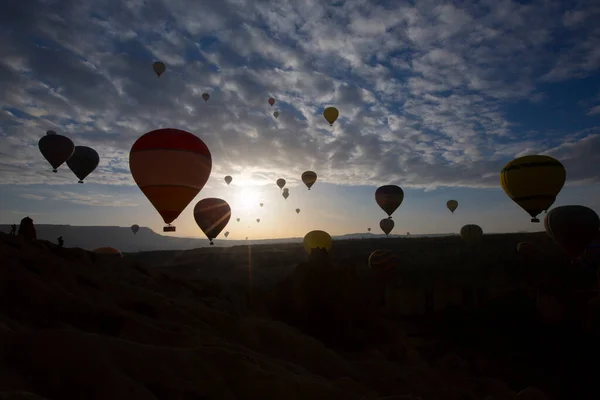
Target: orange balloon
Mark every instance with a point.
(170, 166)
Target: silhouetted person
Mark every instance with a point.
(13, 229)
(61, 242)
(27, 229)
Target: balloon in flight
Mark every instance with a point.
(309, 178)
(226, 233)
(205, 96)
(331, 114)
(228, 179)
(533, 182)
(389, 198)
(135, 228)
(369, 229)
(471, 234)
(281, 183)
(383, 261)
(386, 225)
(56, 149)
(212, 215)
(83, 161)
(271, 101)
(317, 240)
(452, 205)
(276, 114)
(286, 195)
(572, 227)
(159, 68)
(297, 211)
(238, 220)
(170, 166)
(261, 204)
(257, 220)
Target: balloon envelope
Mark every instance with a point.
(205, 96)
(276, 114)
(386, 225)
(471, 234)
(297, 211)
(317, 239)
(389, 198)
(228, 179)
(309, 178)
(135, 228)
(452, 205)
(83, 161)
(572, 227)
(331, 114)
(226, 233)
(281, 183)
(212, 215)
(271, 101)
(159, 68)
(533, 182)
(286, 195)
(56, 149)
(170, 166)
(383, 261)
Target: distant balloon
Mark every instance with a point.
(389, 198)
(297, 211)
(238, 220)
(276, 114)
(261, 204)
(159, 68)
(286, 190)
(309, 178)
(471, 234)
(108, 252)
(226, 233)
(83, 161)
(383, 261)
(257, 220)
(50, 132)
(317, 240)
(452, 205)
(281, 183)
(56, 149)
(135, 228)
(533, 182)
(286, 195)
(170, 166)
(386, 225)
(572, 228)
(228, 179)
(212, 215)
(271, 101)
(369, 229)
(331, 114)
(205, 96)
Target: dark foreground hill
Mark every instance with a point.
(74, 326)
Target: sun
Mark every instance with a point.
(248, 198)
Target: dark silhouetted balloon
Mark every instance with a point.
(212, 216)
(389, 198)
(572, 227)
(56, 149)
(83, 162)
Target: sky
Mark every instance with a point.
(434, 96)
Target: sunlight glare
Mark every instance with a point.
(249, 198)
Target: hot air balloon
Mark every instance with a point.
(261, 204)
(452, 205)
(331, 114)
(135, 228)
(50, 132)
(170, 166)
(286, 195)
(386, 225)
(317, 240)
(369, 229)
(389, 198)
(533, 182)
(257, 220)
(238, 220)
(281, 183)
(226, 233)
(212, 215)
(228, 179)
(309, 178)
(56, 149)
(286, 190)
(276, 114)
(383, 261)
(297, 211)
(572, 228)
(159, 68)
(108, 252)
(271, 101)
(205, 96)
(471, 234)
(83, 161)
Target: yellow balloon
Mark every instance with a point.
(331, 114)
(533, 182)
(452, 205)
(317, 239)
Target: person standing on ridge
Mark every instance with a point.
(13, 229)
(61, 242)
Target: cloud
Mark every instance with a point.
(421, 87)
(594, 110)
(92, 199)
(32, 196)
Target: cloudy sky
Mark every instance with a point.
(433, 96)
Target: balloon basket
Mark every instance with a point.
(169, 229)
(55, 171)
(535, 220)
(80, 182)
